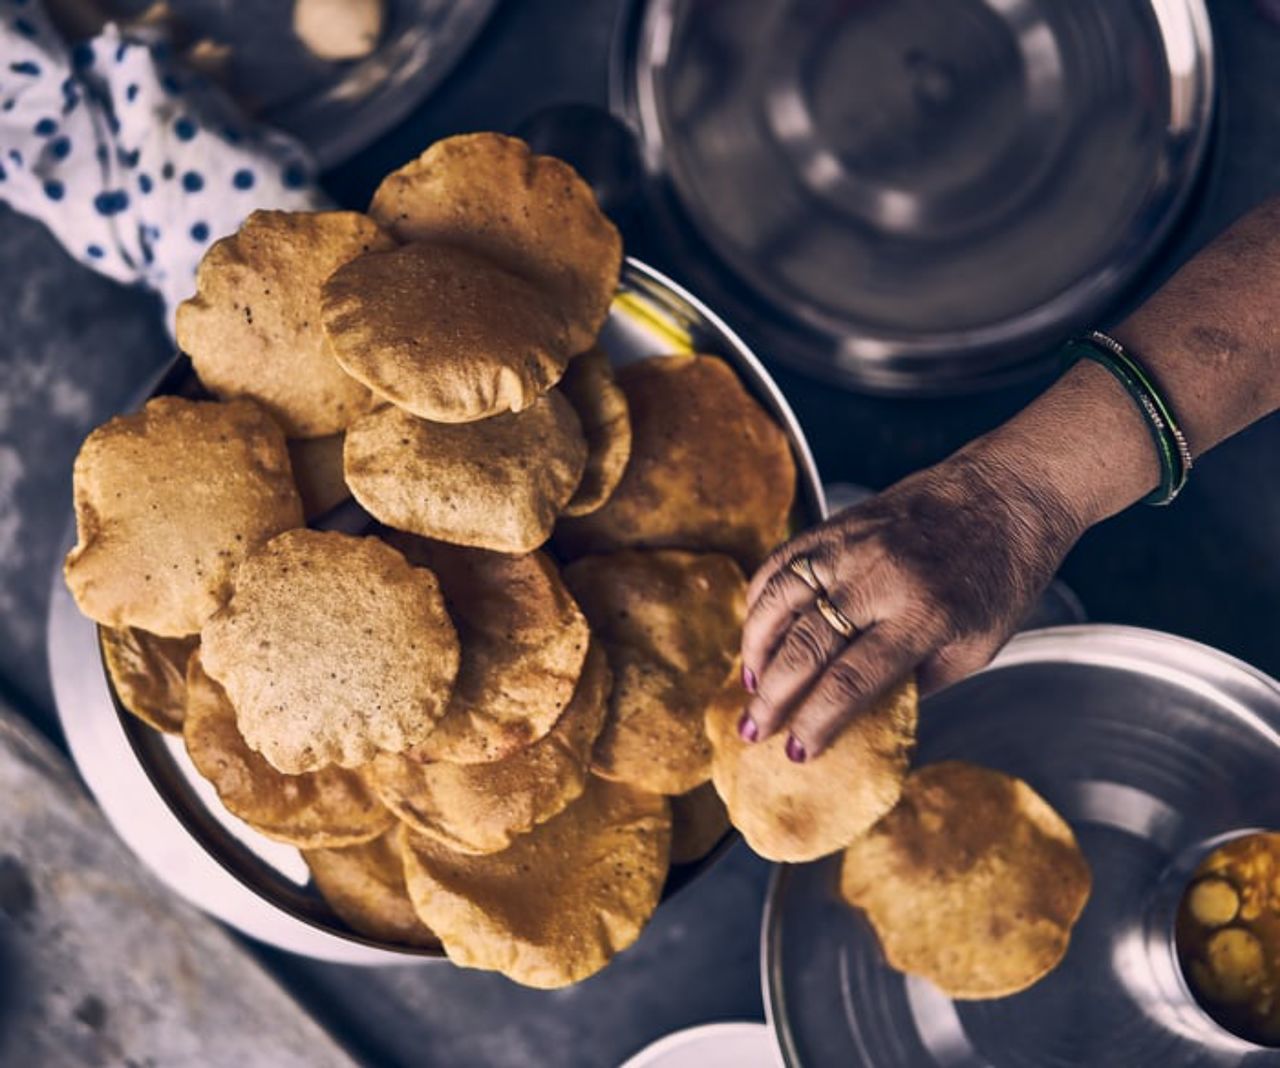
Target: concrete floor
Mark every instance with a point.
(75, 347)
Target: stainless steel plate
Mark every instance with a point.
(336, 109)
(923, 194)
(1153, 747)
(170, 816)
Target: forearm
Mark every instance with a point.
(1210, 338)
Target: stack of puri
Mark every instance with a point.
(481, 720)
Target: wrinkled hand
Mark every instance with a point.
(935, 573)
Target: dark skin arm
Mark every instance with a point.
(937, 571)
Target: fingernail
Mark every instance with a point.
(795, 750)
(749, 680)
(747, 729)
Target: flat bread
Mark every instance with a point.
(601, 406)
(792, 813)
(443, 333)
(524, 644)
(332, 649)
(483, 808)
(671, 624)
(710, 470)
(169, 501)
(364, 885)
(532, 214)
(253, 328)
(562, 901)
(149, 674)
(972, 881)
(327, 808)
(497, 484)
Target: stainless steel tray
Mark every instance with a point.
(912, 196)
(170, 816)
(335, 109)
(1154, 748)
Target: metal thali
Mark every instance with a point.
(170, 816)
(1154, 748)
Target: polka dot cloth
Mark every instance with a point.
(136, 166)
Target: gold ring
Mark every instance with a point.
(838, 621)
(802, 568)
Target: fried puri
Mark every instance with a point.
(443, 333)
(168, 502)
(364, 885)
(317, 472)
(532, 214)
(149, 674)
(709, 470)
(670, 623)
(972, 881)
(561, 901)
(331, 649)
(483, 808)
(497, 484)
(601, 406)
(793, 813)
(253, 328)
(327, 808)
(699, 821)
(524, 642)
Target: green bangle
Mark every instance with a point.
(1171, 444)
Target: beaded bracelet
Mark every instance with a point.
(1171, 444)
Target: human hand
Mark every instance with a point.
(935, 573)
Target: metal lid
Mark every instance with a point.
(1154, 748)
(924, 192)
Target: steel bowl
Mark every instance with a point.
(171, 818)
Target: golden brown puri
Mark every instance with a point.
(972, 881)
(443, 333)
(149, 674)
(670, 622)
(483, 808)
(253, 327)
(709, 468)
(317, 471)
(364, 885)
(326, 808)
(524, 641)
(497, 484)
(532, 214)
(332, 649)
(793, 813)
(699, 821)
(602, 410)
(558, 904)
(168, 501)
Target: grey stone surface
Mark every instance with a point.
(100, 965)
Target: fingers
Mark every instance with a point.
(807, 646)
(865, 669)
(811, 543)
(780, 600)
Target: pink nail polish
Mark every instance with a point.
(747, 729)
(795, 750)
(748, 679)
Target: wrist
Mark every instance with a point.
(1081, 452)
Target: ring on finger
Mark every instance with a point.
(835, 618)
(802, 568)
